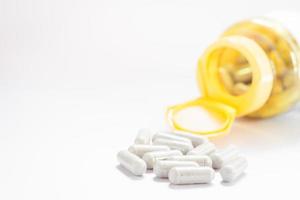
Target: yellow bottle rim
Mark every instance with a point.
(262, 80)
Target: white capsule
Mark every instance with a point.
(220, 158)
(191, 175)
(196, 139)
(141, 149)
(232, 170)
(132, 162)
(162, 167)
(201, 160)
(184, 147)
(203, 149)
(151, 157)
(144, 136)
(169, 136)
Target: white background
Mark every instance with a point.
(79, 78)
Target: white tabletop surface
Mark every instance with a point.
(79, 78)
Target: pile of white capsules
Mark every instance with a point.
(183, 158)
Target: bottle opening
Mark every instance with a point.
(234, 71)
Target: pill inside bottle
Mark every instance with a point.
(234, 71)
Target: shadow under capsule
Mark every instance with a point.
(190, 186)
(160, 180)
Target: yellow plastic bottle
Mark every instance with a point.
(252, 70)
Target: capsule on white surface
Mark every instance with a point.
(132, 162)
(184, 147)
(232, 170)
(191, 175)
(144, 136)
(141, 149)
(201, 160)
(203, 149)
(169, 136)
(151, 157)
(196, 139)
(220, 158)
(162, 167)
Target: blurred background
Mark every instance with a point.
(79, 78)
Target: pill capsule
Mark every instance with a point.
(288, 80)
(278, 63)
(240, 61)
(151, 157)
(277, 86)
(231, 171)
(161, 135)
(141, 149)
(144, 136)
(285, 53)
(201, 160)
(184, 147)
(132, 162)
(220, 158)
(244, 74)
(240, 88)
(191, 175)
(226, 78)
(196, 139)
(162, 167)
(203, 149)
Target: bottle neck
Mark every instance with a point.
(227, 51)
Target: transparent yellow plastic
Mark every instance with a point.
(222, 112)
(251, 70)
